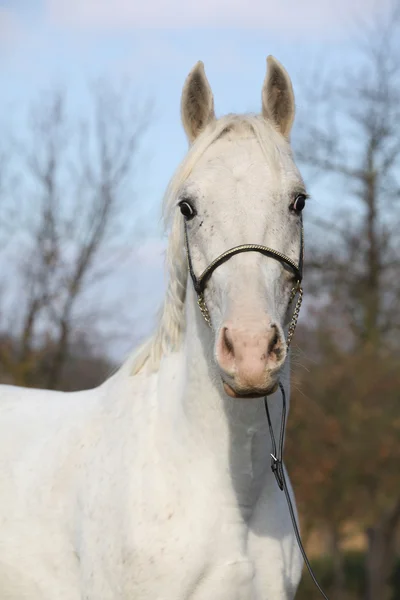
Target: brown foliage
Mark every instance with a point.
(343, 443)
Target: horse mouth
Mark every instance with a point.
(249, 394)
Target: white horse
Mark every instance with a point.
(157, 484)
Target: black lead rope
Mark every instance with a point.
(278, 471)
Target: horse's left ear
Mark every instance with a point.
(197, 104)
(277, 97)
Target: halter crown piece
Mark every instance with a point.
(199, 284)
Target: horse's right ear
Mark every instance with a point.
(197, 104)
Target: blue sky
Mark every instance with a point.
(68, 42)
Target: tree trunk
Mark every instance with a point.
(60, 356)
(380, 555)
(338, 567)
(372, 289)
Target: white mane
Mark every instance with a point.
(168, 335)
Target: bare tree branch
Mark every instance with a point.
(79, 183)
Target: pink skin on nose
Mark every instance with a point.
(249, 354)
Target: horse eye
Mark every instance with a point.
(299, 203)
(187, 210)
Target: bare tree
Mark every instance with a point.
(356, 139)
(76, 220)
(9, 183)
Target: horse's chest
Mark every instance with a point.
(178, 539)
(193, 578)
(230, 581)
(184, 558)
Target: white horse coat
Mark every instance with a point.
(157, 484)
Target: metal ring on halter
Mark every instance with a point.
(199, 283)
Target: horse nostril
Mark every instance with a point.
(228, 343)
(274, 344)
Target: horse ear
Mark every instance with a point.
(197, 104)
(277, 97)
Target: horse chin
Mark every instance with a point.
(250, 394)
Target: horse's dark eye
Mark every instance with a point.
(299, 203)
(187, 210)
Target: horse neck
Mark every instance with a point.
(231, 434)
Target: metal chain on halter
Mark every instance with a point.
(203, 309)
(295, 316)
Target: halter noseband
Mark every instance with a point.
(199, 283)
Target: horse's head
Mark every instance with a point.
(244, 189)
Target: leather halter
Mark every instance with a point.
(199, 283)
